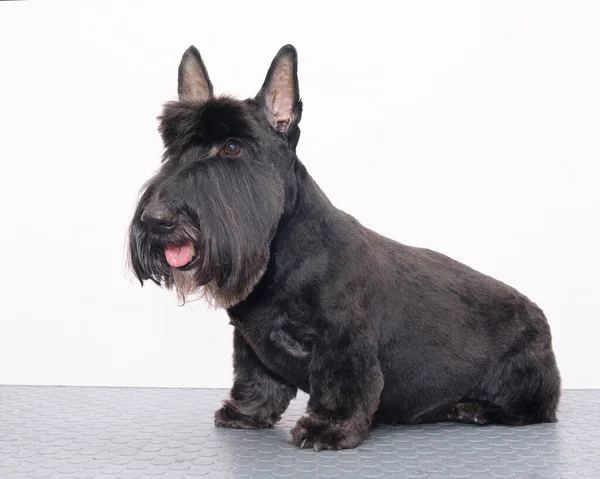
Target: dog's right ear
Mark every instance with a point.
(194, 83)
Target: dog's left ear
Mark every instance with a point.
(280, 94)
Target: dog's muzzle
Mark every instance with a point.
(161, 221)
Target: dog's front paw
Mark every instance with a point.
(314, 432)
(229, 416)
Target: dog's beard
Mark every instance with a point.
(187, 289)
(230, 216)
(186, 286)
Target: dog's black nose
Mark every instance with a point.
(158, 218)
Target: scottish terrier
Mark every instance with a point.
(373, 330)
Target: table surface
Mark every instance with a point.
(84, 433)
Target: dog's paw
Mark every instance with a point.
(230, 417)
(468, 412)
(316, 433)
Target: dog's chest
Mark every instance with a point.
(281, 346)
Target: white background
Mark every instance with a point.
(468, 127)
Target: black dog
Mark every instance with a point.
(370, 328)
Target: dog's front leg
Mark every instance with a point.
(345, 387)
(258, 397)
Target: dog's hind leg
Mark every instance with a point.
(524, 390)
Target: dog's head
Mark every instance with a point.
(205, 220)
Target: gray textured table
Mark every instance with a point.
(74, 432)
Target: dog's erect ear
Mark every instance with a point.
(280, 93)
(194, 83)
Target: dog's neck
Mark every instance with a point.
(308, 215)
(304, 199)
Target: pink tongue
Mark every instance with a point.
(178, 255)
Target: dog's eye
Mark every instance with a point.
(232, 148)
